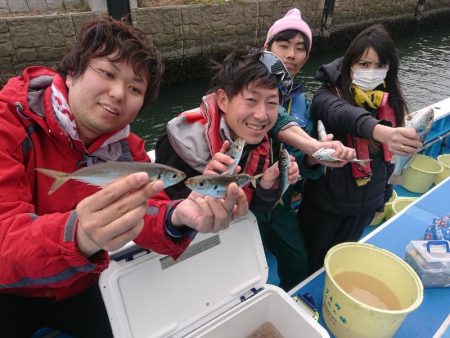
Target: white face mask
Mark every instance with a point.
(369, 79)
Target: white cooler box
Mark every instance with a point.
(217, 288)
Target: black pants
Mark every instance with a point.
(323, 229)
(80, 316)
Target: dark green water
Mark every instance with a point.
(424, 74)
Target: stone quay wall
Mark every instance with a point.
(188, 35)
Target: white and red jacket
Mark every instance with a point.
(38, 252)
(193, 137)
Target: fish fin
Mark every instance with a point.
(59, 176)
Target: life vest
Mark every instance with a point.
(362, 172)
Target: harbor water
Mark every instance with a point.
(424, 74)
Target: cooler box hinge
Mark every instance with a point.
(250, 293)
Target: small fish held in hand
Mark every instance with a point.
(102, 174)
(284, 164)
(321, 132)
(216, 185)
(421, 121)
(327, 154)
(235, 152)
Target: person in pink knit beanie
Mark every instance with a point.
(290, 30)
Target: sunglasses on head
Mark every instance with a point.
(275, 66)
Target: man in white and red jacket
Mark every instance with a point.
(53, 247)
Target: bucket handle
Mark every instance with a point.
(436, 243)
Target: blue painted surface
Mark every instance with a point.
(394, 236)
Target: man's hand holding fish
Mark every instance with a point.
(208, 214)
(226, 160)
(269, 180)
(113, 216)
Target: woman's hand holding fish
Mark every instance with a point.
(400, 141)
(221, 162)
(208, 214)
(113, 216)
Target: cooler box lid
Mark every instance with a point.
(150, 295)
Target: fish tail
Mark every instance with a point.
(364, 162)
(396, 179)
(254, 178)
(59, 176)
(280, 201)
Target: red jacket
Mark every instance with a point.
(38, 253)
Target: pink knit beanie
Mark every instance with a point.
(292, 20)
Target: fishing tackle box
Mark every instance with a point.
(431, 261)
(217, 288)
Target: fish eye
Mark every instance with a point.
(174, 176)
(201, 184)
(215, 187)
(159, 176)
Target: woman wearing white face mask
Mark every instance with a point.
(337, 207)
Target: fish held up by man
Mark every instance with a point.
(102, 174)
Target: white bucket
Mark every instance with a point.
(367, 270)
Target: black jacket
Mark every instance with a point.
(337, 191)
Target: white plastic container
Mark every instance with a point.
(431, 261)
(217, 288)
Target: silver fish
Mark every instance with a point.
(421, 121)
(321, 132)
(327, 154)
(284, 163)
(216, 185)
(104, 173)
(235, 152)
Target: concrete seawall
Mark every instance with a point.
(189, 35)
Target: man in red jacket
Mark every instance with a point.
(53, 247)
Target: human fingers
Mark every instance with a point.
(231, 196)
(101, 230)
(203, 220)
(293, 173)
(405, 150)
(116, 190)
(348, 153)
(225, 146)
(333, 164)
(241, 207)
(221, 214)
(404, 141)
(329, 137)
(270, 176)
(218, 164)
(125, 203)
(124, 237)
